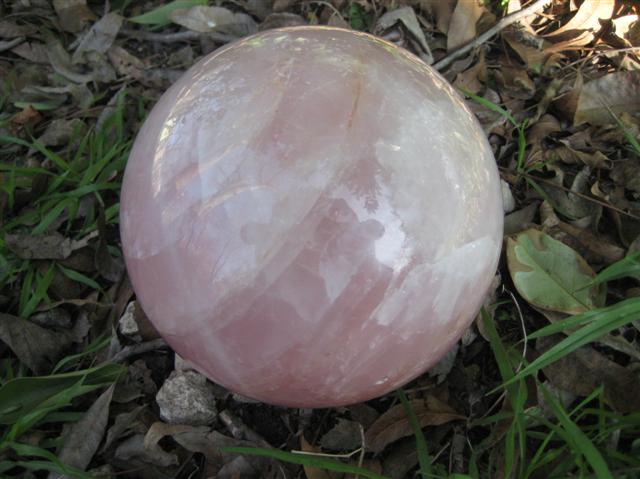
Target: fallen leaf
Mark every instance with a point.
(309, 471)
(615, 92)
(122, 423)
(608, 252)
(100, 36)
(134, 448)
(401, 458)
(125, 63)
(407, 17)
(549, 274)
(60, 131)
(37, 347)
(442, 10)
(579, 31)
(586, 369)
(520, 220)
(280, 20)
(13, 30)
(462, 28)
(61, 63)
(83, 437)
(35, 52)
(531, 53)
(26, 119)
(344, 436)
(627, 174)
(73, 14)
(473, 78)
(394, 424)
(52, 246)
(205, 19)
(161, 16)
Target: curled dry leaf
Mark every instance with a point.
(580, 30)
(549, 274)
(12, 30)
(344, 436)
(627, 174)
(83, 437)
(100, 36)
(134, 448)
(73, 14)
(206, 19)
(520, 220)
(37, 347)
(586, 369)
(33, 51)
(613, 93)
(280, 20)
(441, 10)
(407, 17)
(309, 471)
(53, 246)
(394, 424)
(462, 28)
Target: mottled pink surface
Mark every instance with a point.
(311, 216)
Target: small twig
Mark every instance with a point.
(568, 190)
(501, 25)
(346, 455)
(185, 36)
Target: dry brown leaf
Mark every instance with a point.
(26, 119)
(624, 25)
(100, 36)
(520, 220)
(616, 92)
(280, 20)
(37, 347)
(344, 436)
(309, 471)
(578, 30)
(83, 438)
(532, 55)
(462, 27)
(515, 82)
(586, 369)
(12, 30)
(205, 19)
(606, 251)
(473, 78)
(441, 10)
(394, 424)
(33, 51)
(73, 14)
(53, 246)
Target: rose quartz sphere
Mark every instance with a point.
(311, 216)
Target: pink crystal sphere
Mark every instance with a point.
(311, 216)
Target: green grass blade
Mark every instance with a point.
(628, 266)
(421, 443)
(599, 322)
(578, 439)
(304, 460)
(79, 277)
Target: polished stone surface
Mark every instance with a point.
(311, 216)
